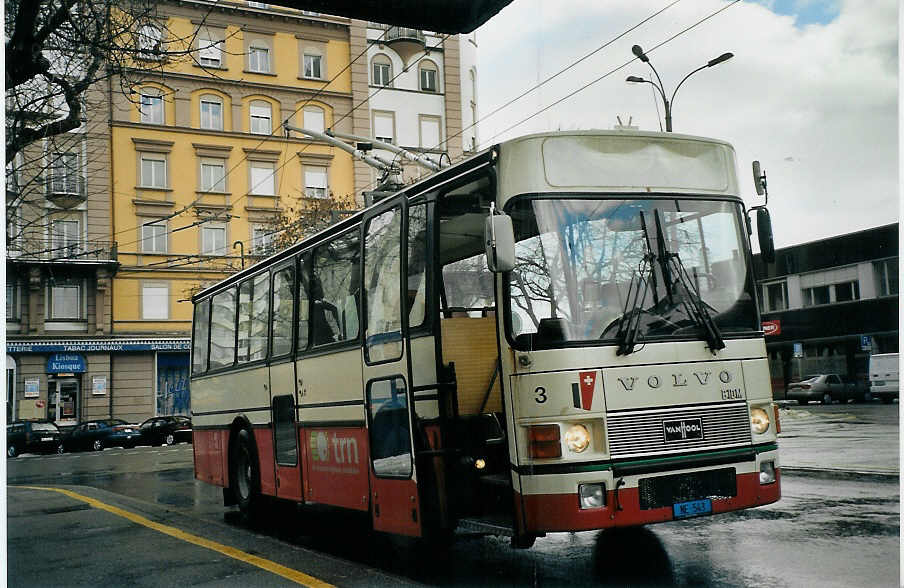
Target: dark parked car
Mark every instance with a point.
(166, 430)
(32, 437)
(102, 433)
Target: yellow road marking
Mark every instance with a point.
(264, 564)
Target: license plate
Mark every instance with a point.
(694, 508)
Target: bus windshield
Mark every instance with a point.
(584, 265)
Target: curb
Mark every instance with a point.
(839, 473)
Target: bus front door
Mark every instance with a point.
(393, 479)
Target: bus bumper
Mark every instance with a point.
(542, 513)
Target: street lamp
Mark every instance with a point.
(661, 88)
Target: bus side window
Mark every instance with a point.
(304, 322)
(283, 303)
(254, 313)
(417, 265)
(222, 329)
(200, 336)
(335, 285)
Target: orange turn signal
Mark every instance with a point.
(544, 441)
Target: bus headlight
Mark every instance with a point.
(592, 495)
(759, 421)
(577, 438)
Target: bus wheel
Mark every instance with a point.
(246, 474)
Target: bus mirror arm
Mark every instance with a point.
(499, 237)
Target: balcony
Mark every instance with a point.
(65, 191)
(62, 252)
(405, 41)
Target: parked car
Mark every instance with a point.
(825, 388)
(102, 433)
(165, 430)
(32, 437)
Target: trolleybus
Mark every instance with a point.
(559, 333)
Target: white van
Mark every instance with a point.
(883, 376)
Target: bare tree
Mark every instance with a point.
(309, 216)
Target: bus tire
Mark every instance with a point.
(245, 474)
(523, 541)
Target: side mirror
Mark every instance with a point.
(499, 237)
(764, 233)
(759, 179)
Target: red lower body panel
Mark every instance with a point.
(560, 512)
(336, 466)
(211, 452)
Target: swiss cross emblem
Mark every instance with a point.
(582, 392)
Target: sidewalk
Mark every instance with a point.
(841, 440)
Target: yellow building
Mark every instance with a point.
(201, 168)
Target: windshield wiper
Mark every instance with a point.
(629, 323)
(694, 305)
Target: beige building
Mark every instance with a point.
(188, 171)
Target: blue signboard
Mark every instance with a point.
(59, 363)
(866, 342)
(97, 346)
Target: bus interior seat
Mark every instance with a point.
(471, 344)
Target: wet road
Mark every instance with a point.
(835, 525)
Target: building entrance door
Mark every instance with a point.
(62, 402)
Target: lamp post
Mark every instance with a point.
(667, 102)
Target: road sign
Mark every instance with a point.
(798, 350)
(866, 342)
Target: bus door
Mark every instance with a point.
(388, 399)
(283, 394)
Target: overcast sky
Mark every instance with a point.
(812, 92)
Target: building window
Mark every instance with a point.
(12, 301)
(259, 59)
(314, 119)
(886, 272)
(774, 297)
(64, 237)
(213, 175)
(64, 173)
(210, 52)
(153, 238)
(263, 179)
(261, 240)
(428, 77)
(155, 301)
(66, 300)
(847, 291)
(430, 136)
(213, 240)
(153, 171)
(315, 181)
(151, 109)
(384, 126)
(313, 66)
(382, 69)
(260, 117)
(149, 41)
(211, 112)
(815, 296)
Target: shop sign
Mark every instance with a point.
(772, 328)
(65, 362)
(89, 346)
(32, 388)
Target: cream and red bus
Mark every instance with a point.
(559, 333)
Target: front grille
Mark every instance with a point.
(669, 490)
(641, 432)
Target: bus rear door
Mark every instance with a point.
(388, 400)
